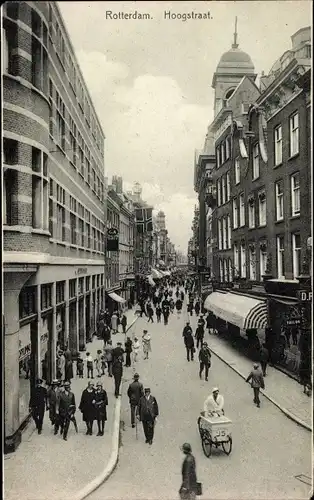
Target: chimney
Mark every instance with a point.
(118, 182)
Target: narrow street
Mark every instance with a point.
(268, 452)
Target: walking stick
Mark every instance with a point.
(136, 435)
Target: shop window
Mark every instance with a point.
(87, 283)
(81, 286)
(98, 280)
(93, 281)
(72, 288)
(60, 291)
(28, 301)
(46, 296)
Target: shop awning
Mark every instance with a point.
(167, 273)
(150, 280)
(155, 273)
(240, 310)
(116, 297)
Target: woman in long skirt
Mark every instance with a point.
(146, 344)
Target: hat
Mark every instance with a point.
(205, 343)
(99, 384)
(147, 389)
(136, 375)
(186, 447)
(66, 384)
(55, 381)
(119, 343)
(215, 389)
(39, 381)
(144, 331)
(255, 365)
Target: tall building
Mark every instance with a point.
(53, 203)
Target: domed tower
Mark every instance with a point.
(232, 67)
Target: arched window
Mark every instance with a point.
(229, 93)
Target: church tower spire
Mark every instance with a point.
(235, 45)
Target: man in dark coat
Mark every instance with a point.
(117, 367)
(100, 403)
(189, 479)
(199, 335)
(204, 357)
(87, 407)
(53, 394)
(264, 357)
(128, 349)
(37, 404)
(135, 392)
(66, 410)
(187, 329)
(124, 322)
(189, 345)
(257, 382)
(148, 412)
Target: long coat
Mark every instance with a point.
(65, 401)
(68, 370)
(86, 405)
(148, 408)
(100, 405)
(189, 473)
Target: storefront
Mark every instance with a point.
(114, 301)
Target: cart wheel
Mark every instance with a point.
(227, 446)
(199, 425)
(207, 446)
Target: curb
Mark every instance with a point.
(114, 457)
(284, 410)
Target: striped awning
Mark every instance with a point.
(240, 310)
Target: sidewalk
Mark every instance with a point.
(45, 467)
(283, 391)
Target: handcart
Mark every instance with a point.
(215, 430)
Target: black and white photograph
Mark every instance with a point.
(156, 251)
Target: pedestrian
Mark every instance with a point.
(117, 371)
(146, 344)
(87, 407)
(182, 296)
(189, 345)
(62, 366)
(204, 357)
(124, 322)
(214, 403)
(106, 334)
(89, 365)
(103, 364)
(158, 313)
(135, 392)
(128, 350)
(197, 307)
(199, 335)
(114, 322)
(148, 412)
(108, 350)
(68, 369)
(201, 321)
(143, 310)
(188, 487)
(257, 382)
(38, 403)
(150, 313)
(118, 352)
(100, 402)
(66, 410)
(79, 367)
(101, 327)
(178, 307)
(52, 400)
(136, 349)
(187, 329)
(264, 357)
(98, 363)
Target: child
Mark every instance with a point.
(89, 364)
(79, 367)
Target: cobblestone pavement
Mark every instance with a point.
(47, 468)
(269, 450)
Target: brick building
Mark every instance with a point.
(53, 202)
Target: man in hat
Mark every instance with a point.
(135, 392)
(214, 403)
(257, 382)
(53, 394)
(189, 479)
(204, 357)
(87, 407)
(37, 404)
(100, 402)
(148, 412)
(117, 367)
(66, 410)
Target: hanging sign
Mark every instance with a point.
(112, 240)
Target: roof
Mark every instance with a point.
(235, 58)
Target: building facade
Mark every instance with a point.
(53, 198)
(112, 274)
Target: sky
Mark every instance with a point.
(150, 83)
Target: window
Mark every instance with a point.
(228, 186)
(72, 288)
(93, 281)
(294, 134)
(73, 228)
(262, 259)
(225, 270)
(223, 189)
(235, 213)
(255, 161)
(60, 122)
(227, 148)
(224, 233)
(262, 208)
(251, 203)
(295, 194)
(81, 286)
(243, 261)
(281, 256)
(229, 231)
(9, 37)
(36, 23)
(278, 145)
(28, 301)
(219, 225)
(236, 258)
(218, 193)
(221, 270)
(39, 66)
(60, 227)
(296, 250)
(60, 286)
(87, 283)
(279, 200)
(230, 273)
(252, 257)
(218, 156)
(5, 50)
(10, 152)
(46, 296)
(242, 210)
(60, 49)
(88, 237)
(81, 232)
(237, 170)
(222, 150)
(73, 144)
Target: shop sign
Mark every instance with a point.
(222, 285)
(81, 270)
(207, 288)
(293, 321)
(112, 240)
(304, 295)
(24, 352)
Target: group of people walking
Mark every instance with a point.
(204, 354)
